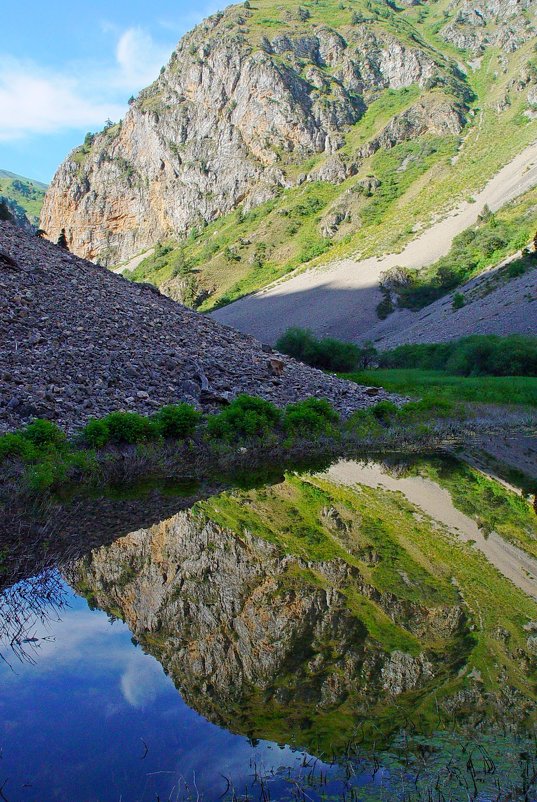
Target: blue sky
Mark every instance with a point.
(65, 67)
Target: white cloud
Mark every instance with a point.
(139, 58)
(142, 681)
(33, 101)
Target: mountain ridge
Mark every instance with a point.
(289, 136)
(23, 197)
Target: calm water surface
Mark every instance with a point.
(239, 672)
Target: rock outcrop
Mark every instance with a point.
(506, 24)
(233, 620)
(229, 116)
(77, 341)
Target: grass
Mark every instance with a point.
(414, 564)
(490, 504)
(28, 194)
(240, 253)
(40, 457)
(494, 237)
(434, 384)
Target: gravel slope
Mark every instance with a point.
(77, 341)
(340, 299)
(494, 304)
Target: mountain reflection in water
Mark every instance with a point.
(341, 613)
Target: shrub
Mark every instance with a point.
(517, 268)
(458, 301)
(129, 428)
(314, 416)
(477, 355)
(15, 445)
(385, 411)
(176, 421)
(246, 416)
(96, 433)
(385, 307)
(43, 433)
(328, 353)
(296, 342)
(332, 354)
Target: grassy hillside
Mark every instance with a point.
(407, 558)
(25, 192)
(413, 182)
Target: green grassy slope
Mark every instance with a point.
(239, 253)
(393, 547)
(27, 193)
(437, 384)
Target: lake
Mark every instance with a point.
(366, 632)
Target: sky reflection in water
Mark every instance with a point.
(75, 724)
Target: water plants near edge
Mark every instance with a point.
(363, 631)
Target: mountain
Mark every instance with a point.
(77, 341)
(305, 612)
(280, 137)
(23, 197)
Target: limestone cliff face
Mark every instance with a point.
(233, 621)
(228, 121)
(506, 24)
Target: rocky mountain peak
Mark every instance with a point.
(242, 101)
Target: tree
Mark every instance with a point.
(62, 240)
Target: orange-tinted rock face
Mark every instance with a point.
(223, 120)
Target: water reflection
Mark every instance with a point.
(329, 612)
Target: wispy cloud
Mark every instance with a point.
(139, 58)
(35, 100)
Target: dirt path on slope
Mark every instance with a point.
(436, 502)
(340, 299)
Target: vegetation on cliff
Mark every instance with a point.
(383, 116)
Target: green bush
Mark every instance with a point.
(458, 301)
(129, 428)
(96, 433)
(385, 411)
(246, 416)
(43, 433)
(314, 416)
(15, 445)
(477, 355)
(472, 250)
(176, 421)
(328, 353)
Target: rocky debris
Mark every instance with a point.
(77, 341)
(478, 24)
(402, 672)
(333, 170)
(434, 114)
(7, 262)
(494, 304)
(221, 124)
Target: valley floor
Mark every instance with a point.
(339, 299)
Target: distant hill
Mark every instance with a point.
(24, 197)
